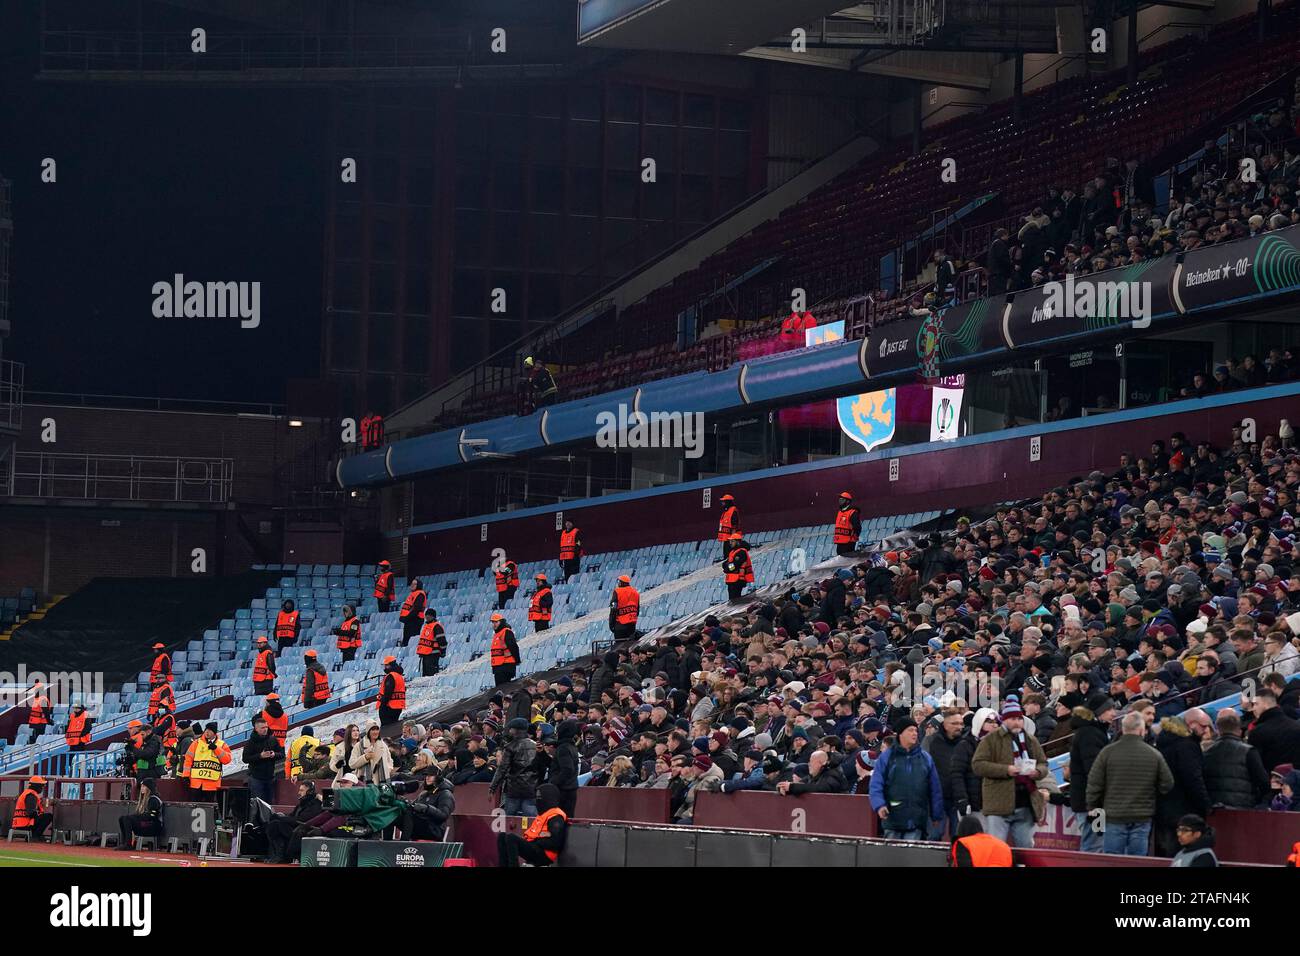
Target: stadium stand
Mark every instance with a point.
(1071, 133)
(219, 664)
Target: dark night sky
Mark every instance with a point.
(217, 184)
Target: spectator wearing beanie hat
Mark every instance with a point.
(1010, 761)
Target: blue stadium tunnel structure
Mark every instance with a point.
(1198, 285)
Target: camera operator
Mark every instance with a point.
(425, 817)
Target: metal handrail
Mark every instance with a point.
(121, 477)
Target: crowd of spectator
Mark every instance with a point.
(1105, 622)
(1239, 188)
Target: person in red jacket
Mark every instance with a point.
(412, 614)
(160, 672)
(264, 673)
(728, 524)
(286, 627)
(385, 586)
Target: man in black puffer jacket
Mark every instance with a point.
(967, 786)
(1234, 772)
(1182, 752)
(425, 817)
(564, 768)
(942, 747)
(1090, 728)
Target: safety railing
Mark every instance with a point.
(11, 394)
(123, 478)
(52, 753)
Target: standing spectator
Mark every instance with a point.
(1275, 735)
(515, 774)
(1010, 761)
(372, 761)
(967, 787)
(1182, 753)
(1235, 776)
(1127, 778)
(263, 755)
(905, 789)
(563, 773)
(1091, 733)
(942, 748)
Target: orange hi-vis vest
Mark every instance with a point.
(729, 523)
(76, 732)
(203, 763)
(541, 827)
(535, 610)
(161, 693)
(984, 850)
(161, 670)
(738, 567)
(279, 726)
(39, 715)
(568, 545)
(501, 655)
(414, 602)
(384, 585)
(627, 604)
(397, 699)
(315, 687)
(23, 817)
(286, 625)
(262, 666)
(508, 576)
(351, 636)
(844, 526)
(432, 639)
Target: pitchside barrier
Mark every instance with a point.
(330, 852)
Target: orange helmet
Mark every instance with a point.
(624, 579)
(846, 494)
(37, 779)
(310, 652)
(390, 659)
(726, 498)
(540, 577)
(736, 536)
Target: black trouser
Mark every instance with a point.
(263, 687)
(262, 789)
(624, 632)
(849, 548)
(541, 625)
(569, 802)
(279, 836)
(349, 654)
(387, 715)
(503, 674)
(734, 590)
(429, 664)
(384, 603)
(137, 824)
(418, 828)
(511, 847)
(570, 568)
(410, 627)
(997, 285)
(282, 643)
(504, 596)
(37, 829)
